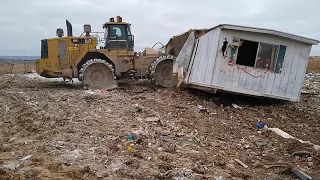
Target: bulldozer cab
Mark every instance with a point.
(118, 35)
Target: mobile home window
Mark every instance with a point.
(261, 55)
(247, 53)
(267, 54)
(280, 59)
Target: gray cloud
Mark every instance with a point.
(25, 23)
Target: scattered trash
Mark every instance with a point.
(218, 178)
(261, 142)
(11, 166)
(25, 158)
(307, 76)
(129, 148)
(236, 106)
(302, 154)
(152, 119)
(281, 133)
(75, 153)
(202, 108)
(129, 137)
(302, 175)
(288, 136)
(16, 164)
(276, 165)
(193, 141)
(139, 109)
(165, 133)
(241, 163)
(260, 125)
(91, 92)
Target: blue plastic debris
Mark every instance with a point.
(260, 125)
(129, 137)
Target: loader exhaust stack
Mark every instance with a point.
(69, 28)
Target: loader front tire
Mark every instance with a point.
(97, 74)
(161, 72)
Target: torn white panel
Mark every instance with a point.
(288, 136)
(185, 54)
(281, 133)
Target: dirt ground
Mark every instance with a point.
(55, 130)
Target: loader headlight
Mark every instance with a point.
(59, 32)
(87, 28)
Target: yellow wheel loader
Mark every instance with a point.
(71, 57)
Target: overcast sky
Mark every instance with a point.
(25, 22)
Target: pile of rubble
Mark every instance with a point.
(311, 84)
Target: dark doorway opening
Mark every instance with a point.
(247, 53)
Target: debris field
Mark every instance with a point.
(56, 130)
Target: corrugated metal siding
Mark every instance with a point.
(249, 80)
(203, 64)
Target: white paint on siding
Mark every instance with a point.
(300, 74)
(211, 69)
(287, 68)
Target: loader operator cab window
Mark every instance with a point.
(119, 36)
(117, 32)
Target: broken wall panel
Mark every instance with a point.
(185, 54)
(207, 49)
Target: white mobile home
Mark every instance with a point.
(246, 60)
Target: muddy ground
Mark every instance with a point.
(143, 132)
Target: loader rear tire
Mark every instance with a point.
(161, 72)
(97, 74)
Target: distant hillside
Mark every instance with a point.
(19, 57)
